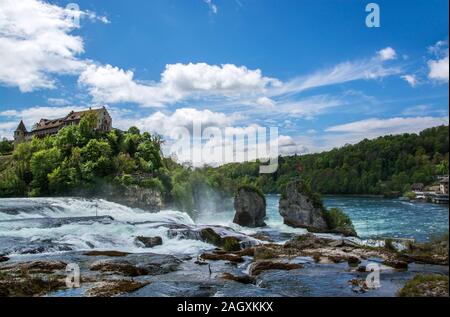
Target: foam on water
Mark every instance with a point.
(118, 234)
(25, 219)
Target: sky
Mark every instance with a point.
(313, 69)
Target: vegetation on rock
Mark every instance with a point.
(426, 285)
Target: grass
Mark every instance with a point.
(252, 188)
(426, 285)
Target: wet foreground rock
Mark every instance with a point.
(138, 264)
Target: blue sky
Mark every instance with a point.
(311, 68)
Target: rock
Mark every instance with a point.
(208, 235)
(426, 285)
(148, 242)
(264, 253)
(244, 279)
(36, 267)
(250, 206)
(106, 253)
(3, 259)
(358, 285)
(134, 196)
(300, 208)
(24, 285)
(396, 264)
(114, 288)
(222, 257)
(138, 264)
(361, 269)
(307, 241)
(122, 268)
(258, 267)
(353, 261)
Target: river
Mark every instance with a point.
(63, 228)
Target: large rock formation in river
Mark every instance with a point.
(250, 206)
(134, 196)
(300, 208)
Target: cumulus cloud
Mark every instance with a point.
(178, 81)
(387, 53)
(439, 67)
(167, 124)
(36, 43)
(266, 102)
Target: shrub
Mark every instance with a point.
(152, 183)
(252, 188)
(426, 285)
(339, 221)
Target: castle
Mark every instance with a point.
(47, 127)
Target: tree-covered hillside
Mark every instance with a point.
(381, 166)
(79, 161)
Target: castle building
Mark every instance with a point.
(47, 127)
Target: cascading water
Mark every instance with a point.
(59, 224)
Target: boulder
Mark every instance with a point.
(302, 209)
(259, 267)
(148, 242)
(3, 258)
(208, 235)
(134, 196)
(250, 206)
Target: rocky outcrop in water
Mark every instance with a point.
(134, 196)
(148, 242)
(250, 206)
(302, 209)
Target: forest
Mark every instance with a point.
(79, 157)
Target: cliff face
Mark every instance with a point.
(297, 207)
(135, 197)
(250, 208)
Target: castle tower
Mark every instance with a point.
(20, 133)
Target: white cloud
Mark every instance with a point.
(424, 110)
(178, 81)
(310, 107)
(366, 69)
(167, 124)
(212, 7)
(387, 53)
(374, 126)
(439, 67)
(36, 43)
(410, 79)
(266, 102)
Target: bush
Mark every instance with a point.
(252, 188)
(410, 195)
(152, 183)
(339, 221)
(426, 285)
